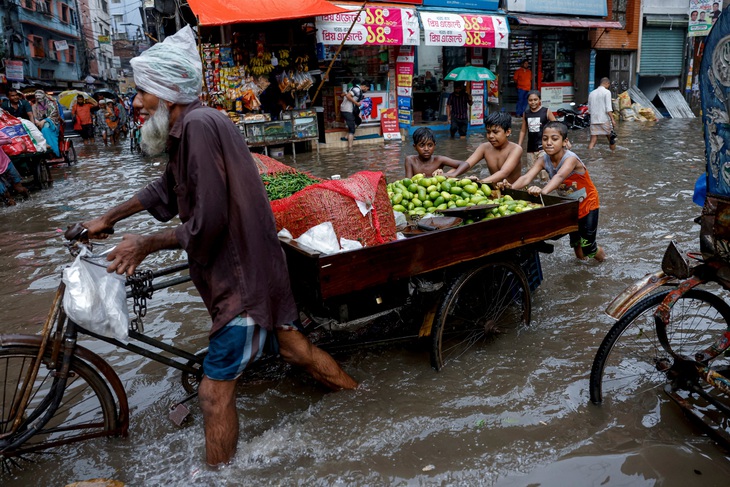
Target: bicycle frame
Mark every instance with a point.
(63, 346)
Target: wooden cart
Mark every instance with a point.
(456, 285)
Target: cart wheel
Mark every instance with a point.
(42, 175)
(481, 302)
(70, 155)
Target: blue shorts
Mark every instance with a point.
(237, 345)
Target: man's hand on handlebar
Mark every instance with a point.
(126, 256)
(98, 228)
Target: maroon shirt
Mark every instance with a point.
(228, 230)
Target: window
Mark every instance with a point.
(36, 47)
(65, 17)
(47, 74)
(29, 4)
(104, 6)
(72, 16)
(116, 1)
(71, 55)
(48, 7)
(618, 10)
(52, 53)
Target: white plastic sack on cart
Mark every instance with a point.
(95, 298)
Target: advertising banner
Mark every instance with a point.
(14, 70)
(450, 29)
(568, 7)
(404, 111)
(375, 26)
(477, 107)
(404, 83)
(551, 95)
(493, 91)
(702, 15)
(389, 124)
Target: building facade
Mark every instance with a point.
(42, 42)
(98, 65)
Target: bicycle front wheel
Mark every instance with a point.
(87, 408)
(638, 363)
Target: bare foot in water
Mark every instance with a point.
(600, 255)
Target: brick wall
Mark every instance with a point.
(613, 39)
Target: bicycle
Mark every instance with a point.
(55, 392)
(671, 333)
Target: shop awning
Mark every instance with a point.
(222, 12)
(463, 29)
(565, 22)
(375, 26)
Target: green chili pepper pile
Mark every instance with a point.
(283, 185)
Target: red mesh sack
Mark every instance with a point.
(336, 202)
(268, 165)
(13, 128)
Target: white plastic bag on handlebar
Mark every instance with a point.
(96, 299)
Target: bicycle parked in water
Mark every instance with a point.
(674, 334)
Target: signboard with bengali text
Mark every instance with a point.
(14, 70)
(451, 29)
(389, 124)
(374, 26)
(404, 70)
(477, 108)
(702, 16)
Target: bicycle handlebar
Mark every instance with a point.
(77, 232)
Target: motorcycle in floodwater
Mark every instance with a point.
(574, 117)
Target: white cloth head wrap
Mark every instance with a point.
(171, 70)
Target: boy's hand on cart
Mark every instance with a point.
(126, 256)
(438, 172)
(534, 190)
(504, 184)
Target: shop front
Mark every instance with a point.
(260, 67)
(451, 39)
(362, 45)
(557, 49)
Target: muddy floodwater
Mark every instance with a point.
(516, 413)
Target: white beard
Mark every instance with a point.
(155, 130)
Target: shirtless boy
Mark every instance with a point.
(427, 163)
(501, 155)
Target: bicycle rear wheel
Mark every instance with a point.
(490, 299)
(638, 363)
(87, 408)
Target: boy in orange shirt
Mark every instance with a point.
(569, 176)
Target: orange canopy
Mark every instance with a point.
(221, 12)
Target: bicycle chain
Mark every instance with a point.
(141, 284)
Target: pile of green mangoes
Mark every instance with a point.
(421, 196)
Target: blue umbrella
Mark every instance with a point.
(470, 73)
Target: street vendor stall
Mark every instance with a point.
(258, 66)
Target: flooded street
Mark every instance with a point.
(515, 414)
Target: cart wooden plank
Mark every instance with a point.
(325, 276)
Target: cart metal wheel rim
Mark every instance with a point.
(490, 300)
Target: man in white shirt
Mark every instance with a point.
(600, 108)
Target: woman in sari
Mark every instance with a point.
(45, 112)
